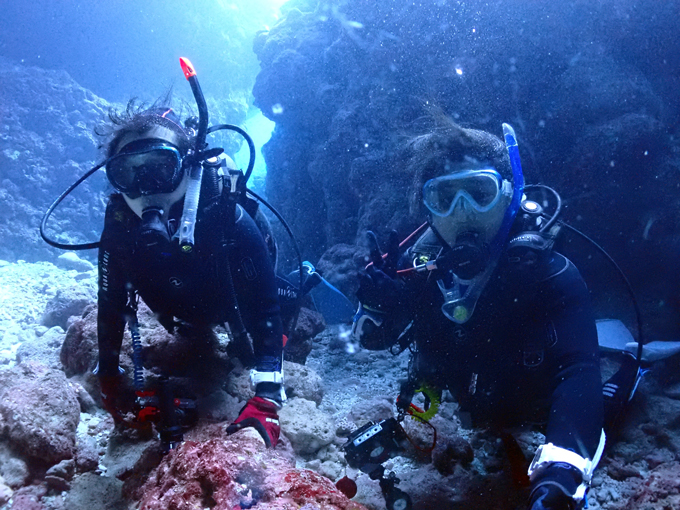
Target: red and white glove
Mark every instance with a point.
(261, 414)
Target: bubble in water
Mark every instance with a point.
(277, 109)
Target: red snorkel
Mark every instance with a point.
(188, 221)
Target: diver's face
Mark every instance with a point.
(468, 201)
(161, 162)
(464, 218)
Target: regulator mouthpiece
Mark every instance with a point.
(153, 231)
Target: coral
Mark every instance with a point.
(236, 471)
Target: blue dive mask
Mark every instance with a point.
(479, 189)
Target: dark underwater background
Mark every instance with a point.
(591, 88)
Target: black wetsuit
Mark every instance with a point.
(528, 353)
(194, 287)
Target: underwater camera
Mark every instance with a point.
(369, 447)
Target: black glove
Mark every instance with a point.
(553, 488)
(407, 390)
(379, 288)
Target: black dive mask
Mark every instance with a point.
(145, 167)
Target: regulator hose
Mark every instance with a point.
(50, 210)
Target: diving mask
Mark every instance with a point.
(479, 189)
(145, 167)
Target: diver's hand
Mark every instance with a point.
(262, 415)
(377, 291)
(388, 263)
(111, 390)
(379, 288)
(553, 488)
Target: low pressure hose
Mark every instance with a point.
(50, 210)
(138, 366)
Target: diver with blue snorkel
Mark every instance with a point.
(490, 311)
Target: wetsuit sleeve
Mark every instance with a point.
(257, 293)
(112, 295)
(576, 413)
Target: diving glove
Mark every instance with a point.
(262, 415)
(113, 388)
(378, 292)
(554, 487)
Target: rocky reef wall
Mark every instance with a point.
(590, 89)
(47, 141)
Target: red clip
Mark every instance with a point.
(148, 414)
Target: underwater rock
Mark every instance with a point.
(123, 451)
(13, 467)
(299, 381)
(29, 498)
(238, 384)
(79, 350)
(191, 352)
(44, 349)
(69, 301)
(5, 492)
(375, 409)
(87, 455)
(65, 469)
(219, 406)
(48, 121)
(87, 403)
(450, 452)
(71, 260)
(235, 471)
(299, 345)
(194, 358)
(340, 265)
(302, 381)
(90, 491)
(330, 462)
(40, 411)
(661, 489)
(308, 428)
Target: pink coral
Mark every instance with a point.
(236, 472)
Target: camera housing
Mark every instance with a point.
(373, 444)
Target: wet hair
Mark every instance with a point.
(450, 148)
(138, 118)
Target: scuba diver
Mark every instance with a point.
(229, 264)
(490, 311)
(228, 276)
(183, 232)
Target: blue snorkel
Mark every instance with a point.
(461, 298)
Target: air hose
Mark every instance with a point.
(138, 366)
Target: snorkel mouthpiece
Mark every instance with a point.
(188, 221)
